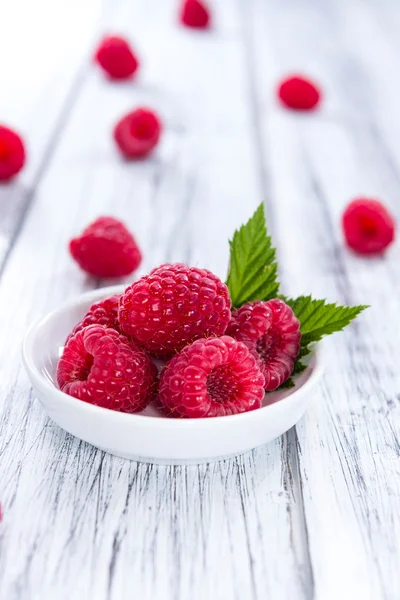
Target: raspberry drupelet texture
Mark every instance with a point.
(368, 226)
(173, 306)
(138, 133)
(116, 57)
(299, 93)
(103, 367)
(106, 249)
(272, 333)
(103, 313)
(212, 377)
(12, 153)
(195, 14)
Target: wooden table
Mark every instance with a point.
(314, 514)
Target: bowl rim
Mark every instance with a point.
(40, 382)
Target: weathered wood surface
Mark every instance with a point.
(348, 446)
(314, 514)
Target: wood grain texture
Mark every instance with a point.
(315, 513)
(41, 70)
(81, 523)
(349, 460)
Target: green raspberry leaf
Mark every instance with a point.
(317, 318)
(253, 273)
(299, 367)
(253, 268)
(304, 351)
(288, 384)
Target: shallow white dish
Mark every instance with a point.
(149, 436)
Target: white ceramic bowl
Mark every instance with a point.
(149, 436)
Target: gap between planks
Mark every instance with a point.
(289, 456)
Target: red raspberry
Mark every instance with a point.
(12, 153)
(368, 227)
(272, 332)
(173, 306)
(211, 378)
(103, 367)
(195, 14)
(106, 249)
(103, 313)
(299, 93)
(116, 58)
(137, 133)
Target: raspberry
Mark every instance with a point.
(211, 378)
(137, 133)
(103, 367)
(103, 313)
(173, 306)
(12, 153)
(272, 332)
(368, 226)
(195, 14)
(116, 58)
(106, 249)
(299, 93)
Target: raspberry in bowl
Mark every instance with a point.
(105, 368)
(271, 332)
(150, 435)
(173, 306)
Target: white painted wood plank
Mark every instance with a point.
(81, 523)
(40, 73)
(349, 443)
(46, 57)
